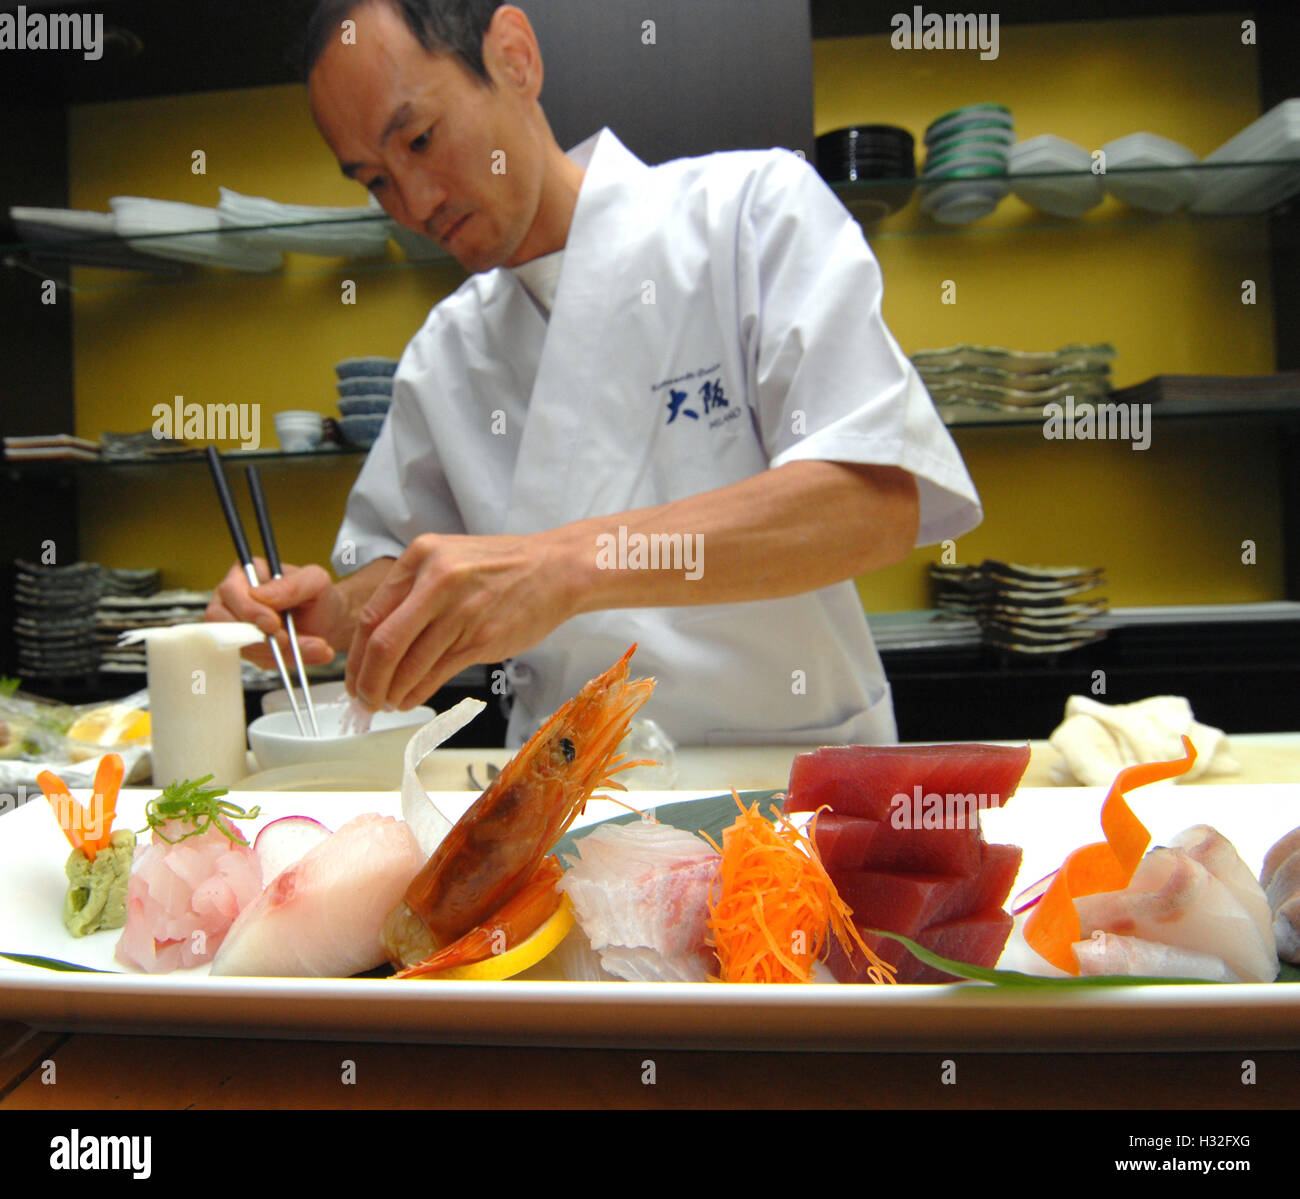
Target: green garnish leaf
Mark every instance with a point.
(196, 804)
(1013, 978)
(29, 959)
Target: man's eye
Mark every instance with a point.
(375, 184)
(422, 141)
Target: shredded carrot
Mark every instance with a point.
(774, 907)
(73, 819)
(1053, 926)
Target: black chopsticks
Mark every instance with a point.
(237, 535)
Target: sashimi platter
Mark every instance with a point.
(891, 897)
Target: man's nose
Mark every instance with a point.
(418, 198)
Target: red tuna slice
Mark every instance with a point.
(862, 780)
(977, 939)
(854, 843)
(907, 903)
(843, 841)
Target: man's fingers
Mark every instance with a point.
(399, 652)
(387, 598)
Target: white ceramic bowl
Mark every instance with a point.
(276, 741)
(298, 430)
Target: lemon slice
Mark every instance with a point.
(110, 726)
(527, 953)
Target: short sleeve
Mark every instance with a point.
(830, 380)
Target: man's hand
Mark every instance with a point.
(317, 606)
(450, 602)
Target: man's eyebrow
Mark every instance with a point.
(401, 117)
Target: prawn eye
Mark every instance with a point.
(567, 749)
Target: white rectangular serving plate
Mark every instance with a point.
(1048, 823)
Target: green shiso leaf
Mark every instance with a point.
(29, 959)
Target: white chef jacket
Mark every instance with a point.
(715, 317)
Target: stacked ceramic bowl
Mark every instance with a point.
(299, 431)
(881, 155)
(1055, 176)
(966, 163)
(365, 390)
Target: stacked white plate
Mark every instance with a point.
(1060, 181)
(966, 163)
(1276, 135)
(186, 233)
(303, 228)
(82, 238)
(1160, 190)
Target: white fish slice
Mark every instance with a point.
(322, 916)
(1176, 901)
(640, 893)
(1111, 953)
(1217, 854)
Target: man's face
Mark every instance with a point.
(446, 155)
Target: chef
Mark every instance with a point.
(663, 409)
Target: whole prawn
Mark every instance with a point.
(483, 867)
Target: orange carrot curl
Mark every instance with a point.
(77, 822)
(774, 906)
(1053, 927)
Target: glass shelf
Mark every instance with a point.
(899, 195)
(233, 458)
(892, 207)
(1162, 410)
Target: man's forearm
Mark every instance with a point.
(799, 527)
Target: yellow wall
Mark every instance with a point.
(1167, 522)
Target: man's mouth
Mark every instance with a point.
(451, 230)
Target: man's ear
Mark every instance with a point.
(511, 53)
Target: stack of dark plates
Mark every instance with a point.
(863, 153)
(121, 611)
(1036, 610)
(54, 622)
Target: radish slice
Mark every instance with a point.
(1031, 894)
(285, 841)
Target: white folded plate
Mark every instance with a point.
(360, 232)
(1276, 135)
(1064, 195)
(147, 225)
(1160, 190)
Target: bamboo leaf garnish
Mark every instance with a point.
(30, 959)
(201, 806)
(1014, 978)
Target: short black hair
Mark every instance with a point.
(440, 26)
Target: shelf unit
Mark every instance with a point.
(242, 43)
